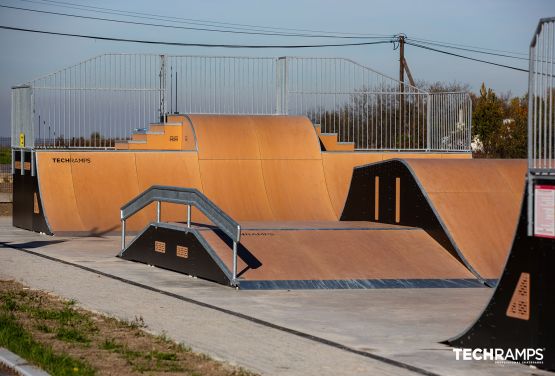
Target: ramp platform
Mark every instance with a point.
(292, 255)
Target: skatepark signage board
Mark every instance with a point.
(544, 211)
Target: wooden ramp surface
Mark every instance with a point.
(479, 203)
(336, 251)
(255, 168)
(470, 206)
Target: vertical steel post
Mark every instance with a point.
(122, 234)
(13, 161)
(429, 122)
(189, 216)
(32, 162)
(234, 277)
(158, 210)
(22, 159)
(162, 75)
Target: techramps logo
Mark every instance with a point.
(71, 160)
(528, 356)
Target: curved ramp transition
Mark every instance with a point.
(256, 168)
(469, 206)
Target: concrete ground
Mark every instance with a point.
(301, 332)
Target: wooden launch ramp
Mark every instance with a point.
(271, 175)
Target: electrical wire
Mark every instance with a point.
(186, 20)
(469, 46)
(467, 49)
(466, 57)
(182, 27)
(114, 39)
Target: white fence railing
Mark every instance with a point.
(100, 101)
(541, 96)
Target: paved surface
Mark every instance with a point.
(335, 332)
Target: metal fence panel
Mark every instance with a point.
(100, 101)
(541, 135)
(374, 111)
(221, 85)
(95, 103)
(22, 117)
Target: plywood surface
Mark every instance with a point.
(57, 194)
(479, 203)
(341, 254)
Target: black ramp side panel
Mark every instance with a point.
(22, 201)
(159, 246)
(27, 205)
(521, 312)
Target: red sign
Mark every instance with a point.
(544, 211)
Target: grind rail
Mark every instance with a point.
(183, 196)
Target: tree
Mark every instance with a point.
(487, 117)
(510, 141)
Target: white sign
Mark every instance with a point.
(544, 211)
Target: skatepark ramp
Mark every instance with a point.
(255, 255)
(469, 206)
(293, 201)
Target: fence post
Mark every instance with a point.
(163, 77)
(429, 123)
(281, 86)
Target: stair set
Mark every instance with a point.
(175, 134)
(330, 141)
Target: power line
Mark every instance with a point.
(113, 39)
(186, 20)
(182, 27)
(466, 57)
(467, 49)
(90, 8)
(470, 46)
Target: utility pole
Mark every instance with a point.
(402, 63)
(401, 85)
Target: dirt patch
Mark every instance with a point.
(104, 345)
(6, 371)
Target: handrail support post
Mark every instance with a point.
(189, 216)
(158, 211)
(234, 277)
(122, 236)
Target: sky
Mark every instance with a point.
(495, 24)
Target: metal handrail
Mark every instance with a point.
(184, 196)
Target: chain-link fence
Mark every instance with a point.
(6, 179)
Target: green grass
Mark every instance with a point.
(16, 339)
(44, 328)
(71, 335)
(111, 345)
(5, 156)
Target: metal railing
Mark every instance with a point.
(100, 101)
(374, 111)
(184, 196)
(541, 97)
(541, 119)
